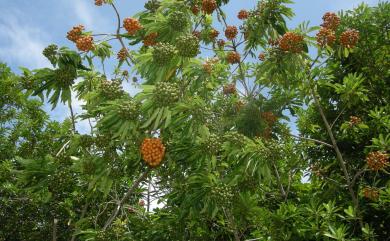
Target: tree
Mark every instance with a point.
(211, 135)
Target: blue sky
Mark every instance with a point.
(26, 27)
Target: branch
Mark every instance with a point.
(118, 34)
(313, 140)
(124, 198)
(335, 146)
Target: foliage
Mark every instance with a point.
(209, 138)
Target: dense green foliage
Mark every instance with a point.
(232, 167)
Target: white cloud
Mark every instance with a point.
(23, 42)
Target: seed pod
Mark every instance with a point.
(65, 76)
(152, 5)
(150, 39)
(111, 89)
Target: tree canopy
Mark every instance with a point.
(209, 133)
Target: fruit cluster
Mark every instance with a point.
(195, 9)
(262, 56)
(349, 38)
(269, 117)
(377, 160)
(187, 46)
(233, 57)
(208, 6)
(178, 21)
(354, 120)
(235, 138)
(85, 43)
(152, 5)
(371, 193)
(99, 2)
(65, 76)
(221, 43)
(75, 33)
(123, 54)
(213, 34)
(326, 37)
(150, 39)
(163, 53)
(212, 144)
(330, 21)
(197, 34)
(166, 93)
(132, 25)
(129, 110)
(208, 65)
(111, 89)
(229, 89)
(243, 14)
(291, 42)
(50, 52)
(223, 193)
(231, 32)
(152, 150)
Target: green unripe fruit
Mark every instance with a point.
(187, 46)
(163, 53)
(50, 52)
(65, 76)
(178, 21)
(129, 110)
(111, 89)
(152, 5)
(166, 94)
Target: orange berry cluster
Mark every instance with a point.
(325, 36)
(152, 150)
(76, 32)
(221, 43)
(354, 120)
(371, 193)
(196, 34)
(229, 89)
(233, 57)
(99, 2)
(195, 9)
(131, 25)
(330, 21)
(291, 42)
(231, 32)
(208, 65)
(213, 34)
(269, 117)
(150, 39)
(122, 54)
(85, 43)
(377, 160)
(208, 6)
(262, 56)
(243, 14)
(349, 38)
